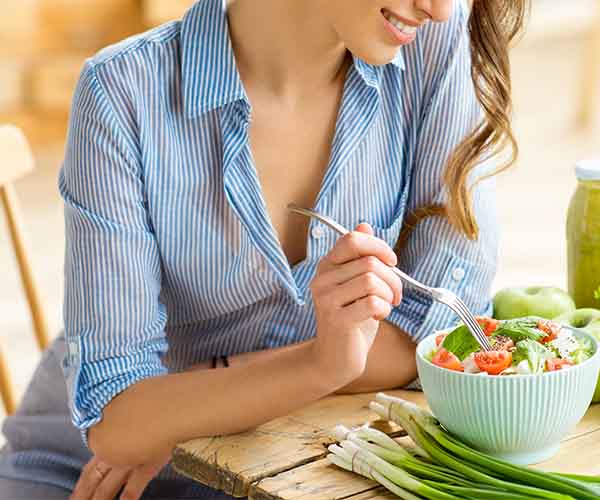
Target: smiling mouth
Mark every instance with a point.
(402, 26)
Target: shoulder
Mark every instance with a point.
(135, 63)
(123, 76)
(134, 48)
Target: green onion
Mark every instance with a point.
(443, 467)
(510, 471)
(364, 462)
(578, 477)
(436, 451)
(394, 488)
(480, 493)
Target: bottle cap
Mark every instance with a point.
(588, 170)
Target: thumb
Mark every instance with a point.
(363, 227)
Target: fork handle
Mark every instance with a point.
(412, 282)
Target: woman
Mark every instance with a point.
(185, 146)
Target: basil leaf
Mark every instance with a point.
(460, 342)
(520, 329)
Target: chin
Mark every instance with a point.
(376, 56)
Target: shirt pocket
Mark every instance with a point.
(391, 233)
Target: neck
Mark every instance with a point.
(285, 45)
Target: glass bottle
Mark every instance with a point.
(583, 236)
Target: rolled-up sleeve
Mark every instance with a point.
(114, 321)
(437, 254)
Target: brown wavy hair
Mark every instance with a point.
(493, 25)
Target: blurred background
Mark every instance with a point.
(43, 44)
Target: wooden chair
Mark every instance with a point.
(16, 161)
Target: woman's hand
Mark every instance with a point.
(353, 290)
(99, 481)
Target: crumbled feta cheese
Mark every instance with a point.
(523, 368)
(565, 344)
(469, 364)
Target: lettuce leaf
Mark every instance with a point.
(583, 352)
(460, 342)
(534, 352)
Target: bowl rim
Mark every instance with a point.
(517, 376)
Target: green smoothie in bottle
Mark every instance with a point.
(583, 236)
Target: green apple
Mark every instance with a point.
(587, 320)
(546, 302)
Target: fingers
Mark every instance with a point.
(370, 265)
(360, 244)
(111, 484)
(360, 287)
(363, 227)
(91, 476)
(138, 481)
(366, 308)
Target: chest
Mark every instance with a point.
(291, 148)
(217, 200)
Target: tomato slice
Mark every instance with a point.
(493, 362)
(550, 328)
(446, 359)
(440, 338)
(556, 364)
(488, 325)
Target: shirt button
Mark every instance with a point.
(317, 232)
(458, 274)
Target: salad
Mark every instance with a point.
(521, 346)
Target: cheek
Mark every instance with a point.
(365, 36)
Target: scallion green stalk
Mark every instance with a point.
(436, 451)
(408, 411)
(474, 493)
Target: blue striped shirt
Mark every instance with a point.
(171, 257)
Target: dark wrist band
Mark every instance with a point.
(214, 362)
(225, 360)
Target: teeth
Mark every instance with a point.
(405, 28)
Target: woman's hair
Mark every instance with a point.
(493, 25)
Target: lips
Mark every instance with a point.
(401, 31)
(403, 26)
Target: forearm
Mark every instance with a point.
(248, 358)
(153, 415)
(391, 362)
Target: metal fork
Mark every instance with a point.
(441, 295)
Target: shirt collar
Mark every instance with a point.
(209, 75)
(210, 78)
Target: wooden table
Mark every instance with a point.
(285, 458)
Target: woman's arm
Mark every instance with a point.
(391, 362)
(353, 289)
(150, 417)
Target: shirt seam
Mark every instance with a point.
(119, 129)
(138, 45)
